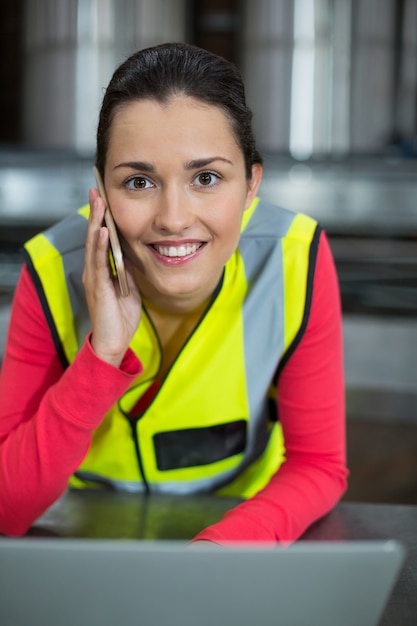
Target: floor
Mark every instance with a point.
(382, 459)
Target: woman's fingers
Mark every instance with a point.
(114, 319)
(97, 267)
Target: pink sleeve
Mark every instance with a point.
(311, 409)
(47, 415)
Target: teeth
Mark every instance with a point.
(177, 251)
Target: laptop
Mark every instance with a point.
(85, 582)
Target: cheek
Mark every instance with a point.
(131, 223)
(228, 226)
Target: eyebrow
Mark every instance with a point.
(145, 166)
(142, 166)
(195, 164)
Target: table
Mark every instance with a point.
(110, 515)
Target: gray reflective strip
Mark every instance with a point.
(180, 488)
(68, 237)
(261, 250)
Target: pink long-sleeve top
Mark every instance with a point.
(48, 415)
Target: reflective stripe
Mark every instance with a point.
(83, 479)
(71, 244)
(261, 252)
(48, 272)
(59, 254)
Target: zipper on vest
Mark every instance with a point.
(133, 421)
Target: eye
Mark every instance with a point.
(137, 183)
(206, 179)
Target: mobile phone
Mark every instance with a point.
(116, 250)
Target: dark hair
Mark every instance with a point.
(173, 69)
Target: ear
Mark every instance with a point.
(253, 184)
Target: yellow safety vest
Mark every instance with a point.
(210, 426)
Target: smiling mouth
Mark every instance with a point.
(177, 251)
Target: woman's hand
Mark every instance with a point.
(114, 318)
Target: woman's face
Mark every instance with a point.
(176, 184)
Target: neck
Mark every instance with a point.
(174, 309)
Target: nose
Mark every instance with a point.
(174, 212)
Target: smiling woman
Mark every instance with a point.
(221, 372)
(175, 178)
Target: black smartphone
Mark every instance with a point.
(116, 249)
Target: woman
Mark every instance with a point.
(228, 347)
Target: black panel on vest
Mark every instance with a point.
(192, 447)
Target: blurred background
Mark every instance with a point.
(333, 87)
